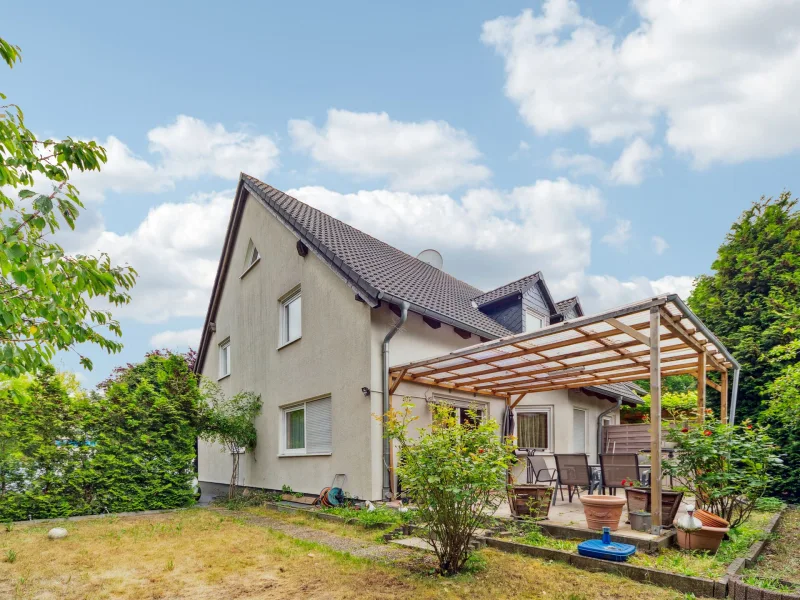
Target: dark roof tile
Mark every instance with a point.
(519, 286)
(375, 265)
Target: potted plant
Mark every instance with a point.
(638, 498)
(602, 511)
(530, 500)
(693, 535)
(725, 467)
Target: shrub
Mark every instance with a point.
(783, 416)
(229, 422)
(726, 467)
(455, 473)
(65, 453)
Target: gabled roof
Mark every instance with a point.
(373, 269)
(520, 286)
(563, 306)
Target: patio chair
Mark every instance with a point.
(615, 468)
(539, 472)
(573, 472)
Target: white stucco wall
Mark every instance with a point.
(416, 340)
(331, 358)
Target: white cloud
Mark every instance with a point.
(600, 292)
(727, 90)
(630, 167)
(186, 338)
(579, 164)
(524, 146)
(175, 251)
(412, 156)
(488, 236)
(190, 148)
(186, 149)
(619, 236)
(660, 245)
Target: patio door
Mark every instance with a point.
(578, 431)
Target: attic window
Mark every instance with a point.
(251, 257)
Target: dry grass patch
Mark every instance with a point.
(198, 554)
(781, 559)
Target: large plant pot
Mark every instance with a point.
(707, 538)
(602, 511)
(530, 500)
(639, 499)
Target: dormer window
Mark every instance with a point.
(533, 321)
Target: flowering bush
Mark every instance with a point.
(456, 475)
(726, 467)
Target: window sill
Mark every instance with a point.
(223, 377)
(250, 268)
(297, 339)
(305, 454)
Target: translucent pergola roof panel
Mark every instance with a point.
(609, 347)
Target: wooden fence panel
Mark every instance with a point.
(624, 439)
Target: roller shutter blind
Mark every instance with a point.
(318, 426)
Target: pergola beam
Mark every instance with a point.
(560, 375)
(617, 324)
(701, 387)
(723, 396)
(655, 421)
(675, 327)
(540, 349)
(516, 373)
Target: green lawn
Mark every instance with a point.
(198, 554)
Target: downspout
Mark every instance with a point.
(387, 470)
(600, 425)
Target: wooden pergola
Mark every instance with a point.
(653, 338)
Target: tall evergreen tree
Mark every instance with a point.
(751, 301)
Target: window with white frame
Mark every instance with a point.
(465, 412)
(534, 425)
(578, 430)
(291, 318)
(306, 428)
(225, 358)
(533, 321)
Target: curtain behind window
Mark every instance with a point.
(532, 430)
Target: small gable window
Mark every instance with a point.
(251, 256)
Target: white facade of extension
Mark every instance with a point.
(323, 371)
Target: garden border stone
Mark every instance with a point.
(699, 586)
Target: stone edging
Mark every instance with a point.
(137, 513)
(725, 586)
(700, 586)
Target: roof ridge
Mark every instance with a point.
(258, 182)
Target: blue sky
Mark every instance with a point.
(565, 138)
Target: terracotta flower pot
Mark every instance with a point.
(710, 519)
(602, 511)
(707, 538)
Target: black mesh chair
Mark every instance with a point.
(539, 472)
(616, 468)
(573, 472)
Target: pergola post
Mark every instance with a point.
(701, 387)
(723, 396)
(655, 419)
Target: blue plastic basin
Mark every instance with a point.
(613, 551)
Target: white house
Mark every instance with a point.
(300, 312)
